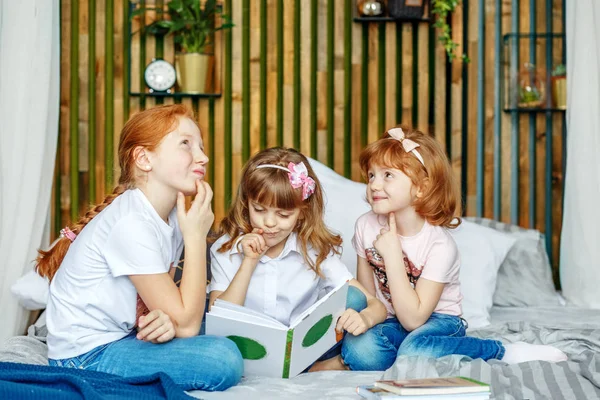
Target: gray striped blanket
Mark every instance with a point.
(577, 378)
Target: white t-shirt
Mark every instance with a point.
(92, 300)
(282, 287)
(431, 254)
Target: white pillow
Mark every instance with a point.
(345, 201)
(482, 250)
(31, 290)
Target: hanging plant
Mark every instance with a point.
(440, 10)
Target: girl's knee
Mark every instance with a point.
(367, 352)
(221, 362)
(415, 346)
(230, 365)
(356, 299)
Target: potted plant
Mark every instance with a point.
(193, 28)
(559, 86)
(440, 9)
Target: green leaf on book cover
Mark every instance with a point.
(317, 331)
(250, 349)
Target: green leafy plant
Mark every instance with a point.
(530, 95)
(559, 70)
(440, 9)
(192, 26)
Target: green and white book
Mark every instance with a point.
(271, 348)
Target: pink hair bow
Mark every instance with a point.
(299, 178)
(408, 145)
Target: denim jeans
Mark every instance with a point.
(441, 335)
(200, 362)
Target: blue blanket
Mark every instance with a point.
(24, 381)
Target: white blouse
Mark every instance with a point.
(282, 287)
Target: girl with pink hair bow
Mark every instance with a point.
(409, 261)
(275, 255)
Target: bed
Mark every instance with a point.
(574, 330)
(508, 294)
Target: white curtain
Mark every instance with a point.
(580, 249)
(29, 111)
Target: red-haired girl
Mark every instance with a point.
(409, 261)
(126, 246)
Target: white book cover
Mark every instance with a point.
(271, 348)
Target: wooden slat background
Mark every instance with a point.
(301, 73)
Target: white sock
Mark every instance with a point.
(522, 352)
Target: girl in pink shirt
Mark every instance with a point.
(409, 261)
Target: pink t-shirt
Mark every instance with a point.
(431, 254)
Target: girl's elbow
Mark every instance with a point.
(181, 333)
(410, 326)
(188, 326)
(187, 331)
(409, 323)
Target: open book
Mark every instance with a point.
(269, 347)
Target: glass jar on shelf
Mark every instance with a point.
(531, 89)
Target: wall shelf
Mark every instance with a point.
(175, 95)
(145, 93)
(538, 49)
(380, 20)
(534, 110)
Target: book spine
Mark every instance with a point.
(473, 381)
(288, 354)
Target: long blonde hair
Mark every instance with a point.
(147, 129)
(271, 187)
(440, 203)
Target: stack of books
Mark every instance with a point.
(453, 388)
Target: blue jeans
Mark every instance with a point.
(199, 362)
(441, 335)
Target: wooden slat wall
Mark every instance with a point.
(301, 73)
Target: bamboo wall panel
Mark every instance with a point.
(303, 74)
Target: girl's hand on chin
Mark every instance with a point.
(387, 242)
(199, 218)
(253, 244)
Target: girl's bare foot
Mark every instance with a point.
(332, 364)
